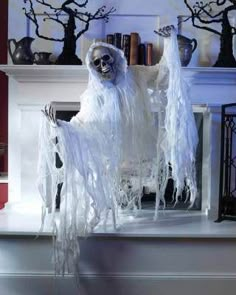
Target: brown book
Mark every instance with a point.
(126, 46)
(110, 39)
(149, 54)
(134, 42)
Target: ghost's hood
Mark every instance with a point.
(120, 64)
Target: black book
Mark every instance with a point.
(141, 54)
(126, 46)
(117, 40)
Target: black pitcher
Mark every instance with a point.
(186, 48)
(42, 58)
(22, 54)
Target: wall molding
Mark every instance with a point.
(73, 74)
(131, 276)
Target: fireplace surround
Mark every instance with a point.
(31, 87)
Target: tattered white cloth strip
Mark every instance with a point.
(178, 137)
(113, 145)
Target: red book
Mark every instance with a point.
(149, 54)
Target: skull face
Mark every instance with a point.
(103, 62)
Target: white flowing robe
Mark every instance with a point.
(116, 136)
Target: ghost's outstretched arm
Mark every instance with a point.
(49, 113)
(147, 74)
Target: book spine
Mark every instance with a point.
(134, 41)
(126, 47)
(141, 54)
(117, 40)
(110, 39)
(149, 54)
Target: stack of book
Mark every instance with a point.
(136, 53)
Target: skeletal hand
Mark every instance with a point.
(165, 31)
(50, 114)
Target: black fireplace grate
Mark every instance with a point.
(227, 187)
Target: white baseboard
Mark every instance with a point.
(117, 285)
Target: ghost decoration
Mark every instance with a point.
(134, 123)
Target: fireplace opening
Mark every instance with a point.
(65, 111)
(149, 196)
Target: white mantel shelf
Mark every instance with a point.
(45, 73)
(24, 222)
(73, 73)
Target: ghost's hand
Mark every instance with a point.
(165, 31)
(49, 113)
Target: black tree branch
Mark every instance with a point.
(200, 10)
(56, 19)
(196, 15)
(47, 4)
(73, 10)
(219, 3)
(76, 3)
(88, 17)
(31, 15)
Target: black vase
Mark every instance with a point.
(22, 54)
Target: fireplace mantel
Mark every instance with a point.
(73, 73)
(45, 73)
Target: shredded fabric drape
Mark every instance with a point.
(137, 128)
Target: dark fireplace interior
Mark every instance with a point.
(148, 199)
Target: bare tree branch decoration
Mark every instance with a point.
(203, 16)
(73, 9)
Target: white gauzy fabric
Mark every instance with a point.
(107, 149)
(178, 137)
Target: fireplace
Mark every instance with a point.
(66, 110)
(31, 87)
